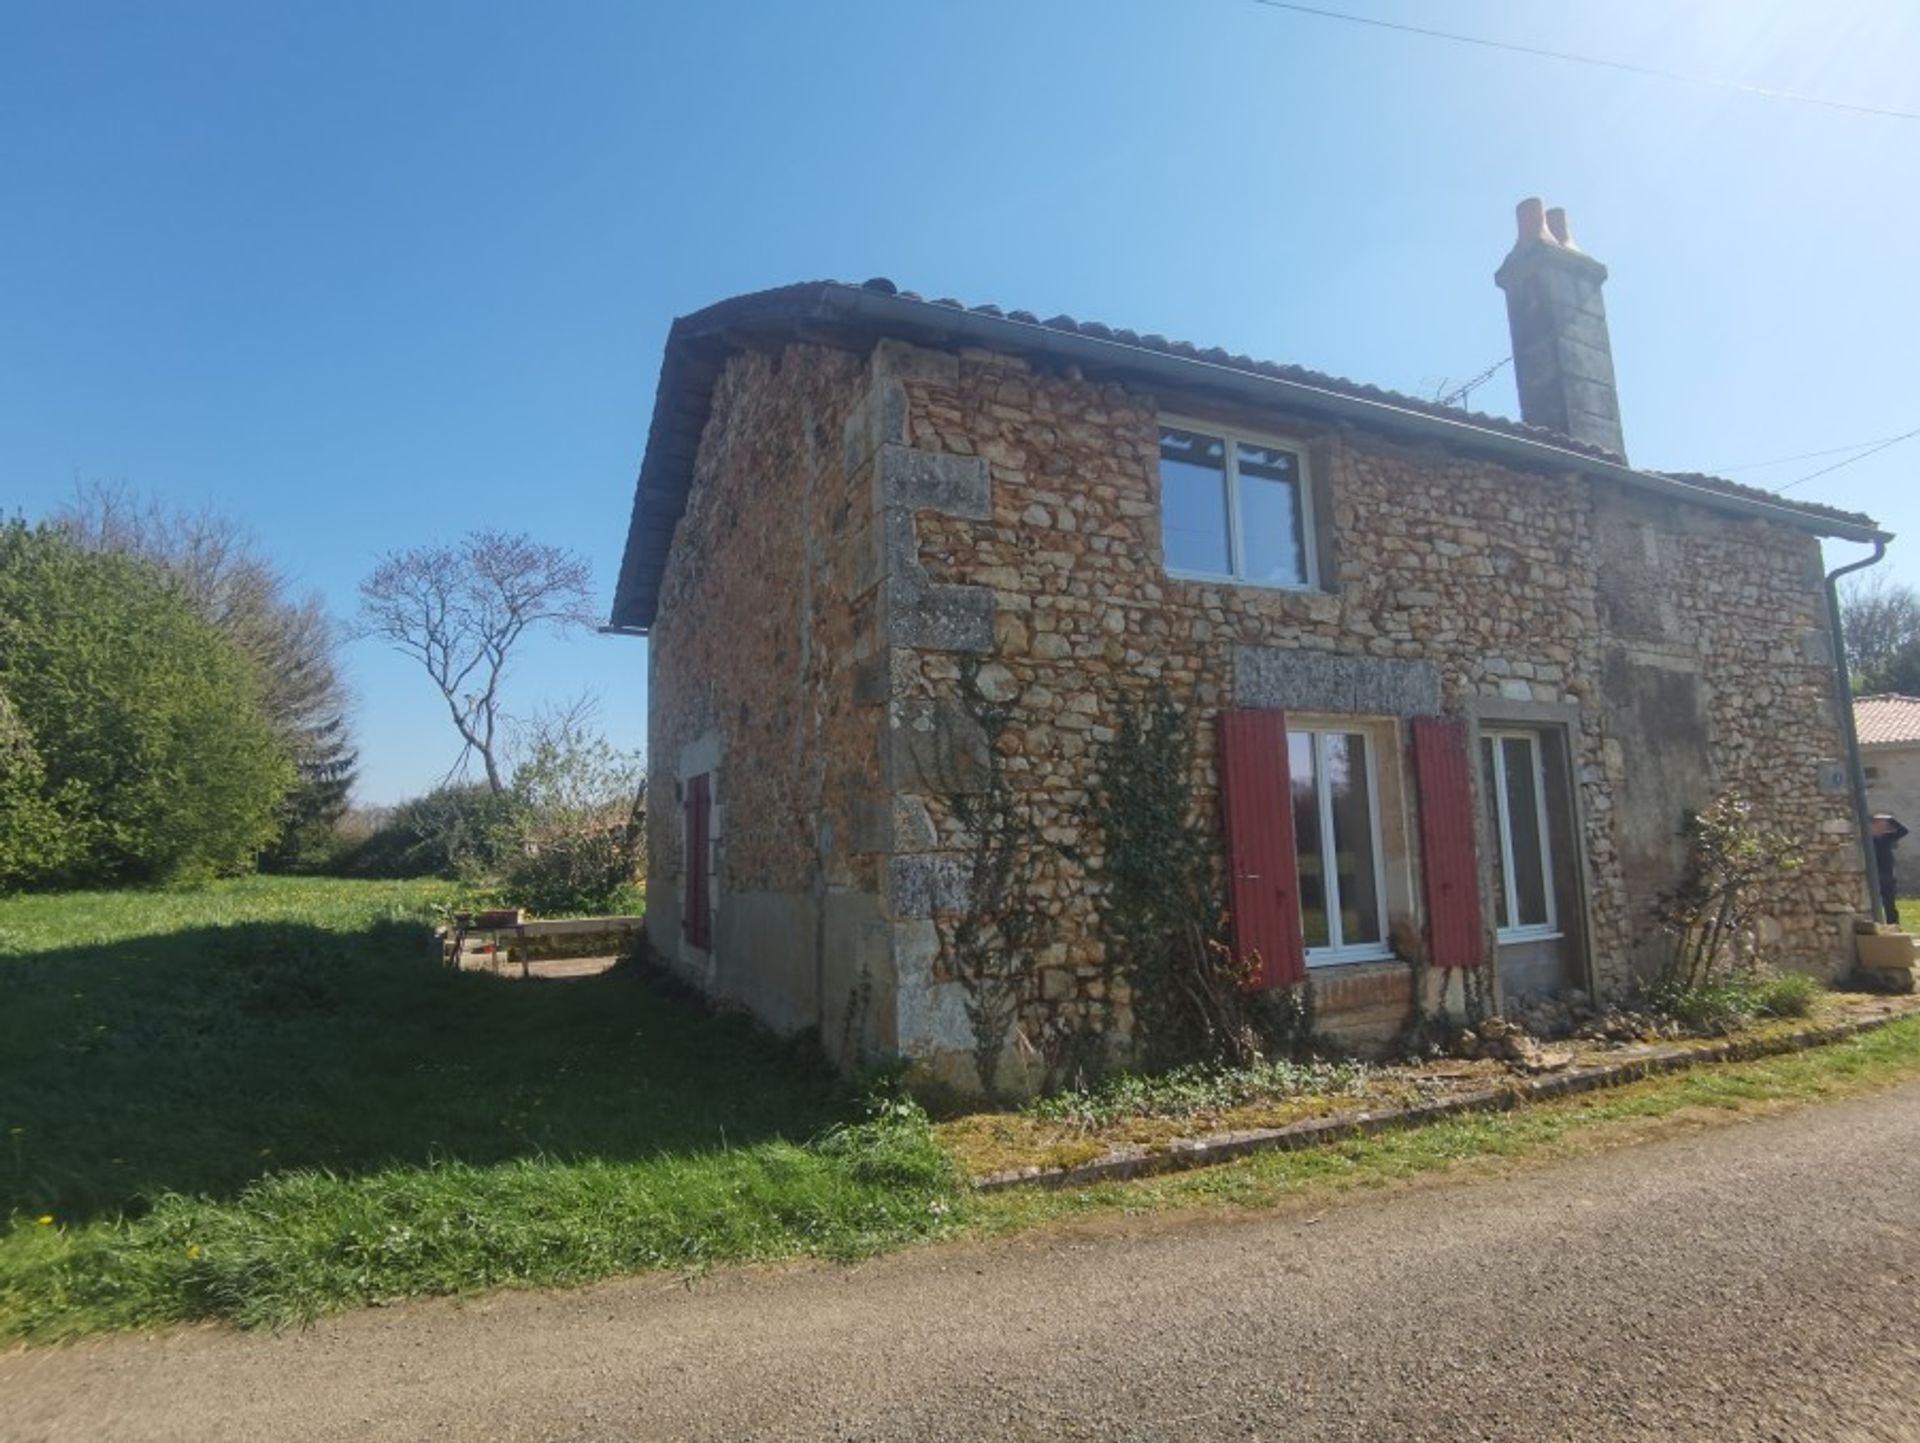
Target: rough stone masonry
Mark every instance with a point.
(857, 524)
(875, 511)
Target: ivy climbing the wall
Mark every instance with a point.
(1165, 925)
(1001, 924)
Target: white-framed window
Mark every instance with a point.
(1336, 831)
(1516, 795)
(1235, 507)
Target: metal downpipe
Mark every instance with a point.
(1843, 699)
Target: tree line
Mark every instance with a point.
(1881, 618)
(169, 711)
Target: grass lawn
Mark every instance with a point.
(263, 1099)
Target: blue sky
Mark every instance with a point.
(364, 275)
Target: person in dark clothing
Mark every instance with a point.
(1887, 833)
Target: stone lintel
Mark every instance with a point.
(1316, 681)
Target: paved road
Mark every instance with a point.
(1756, 1280)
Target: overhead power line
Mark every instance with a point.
(1873, 451)
(1808, 455)
(1630, 67)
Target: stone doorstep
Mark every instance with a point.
(1185, 1153)
(1889, 951)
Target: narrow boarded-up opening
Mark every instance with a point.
(696, 923)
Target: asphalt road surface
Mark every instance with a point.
(1753, 1280)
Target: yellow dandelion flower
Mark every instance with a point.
(46, 1220)
(193, 1250)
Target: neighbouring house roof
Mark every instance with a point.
(1887, 720)
(699, 344)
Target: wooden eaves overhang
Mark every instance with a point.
(835, 313)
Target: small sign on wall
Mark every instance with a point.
(1833, 779)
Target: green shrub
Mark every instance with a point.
(1791, 994)
(459, 830)
(152, 743)
(564, 838)
(1733, 1001)
(1199, 1088)
(578, 831)
(1712, 916)
(1707, 1008)
(35, 840)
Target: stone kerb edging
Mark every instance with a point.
(1185, 1153)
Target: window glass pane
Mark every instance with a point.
(1523, 810)
(1346, 766)
(1193, 502)
(1491, 779)
(1306, 839)
(1271, 544)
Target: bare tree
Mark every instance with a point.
(1881, 618)
(460, 611)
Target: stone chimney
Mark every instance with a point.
(1562, 359)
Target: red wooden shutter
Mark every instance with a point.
(1263, 881)
(1455, 935)
(695, 922)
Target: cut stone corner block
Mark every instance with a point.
(923, 883)
(936, 749)
(887, 825)
(935, 1034)
(941, 618)
(935, 481)
(878, 419)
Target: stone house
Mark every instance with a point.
(1889, 732)
(1450, 680)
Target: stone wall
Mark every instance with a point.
(754, 654)
(1687, 648)
(865, 532)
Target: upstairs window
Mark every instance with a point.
(1234, 508)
